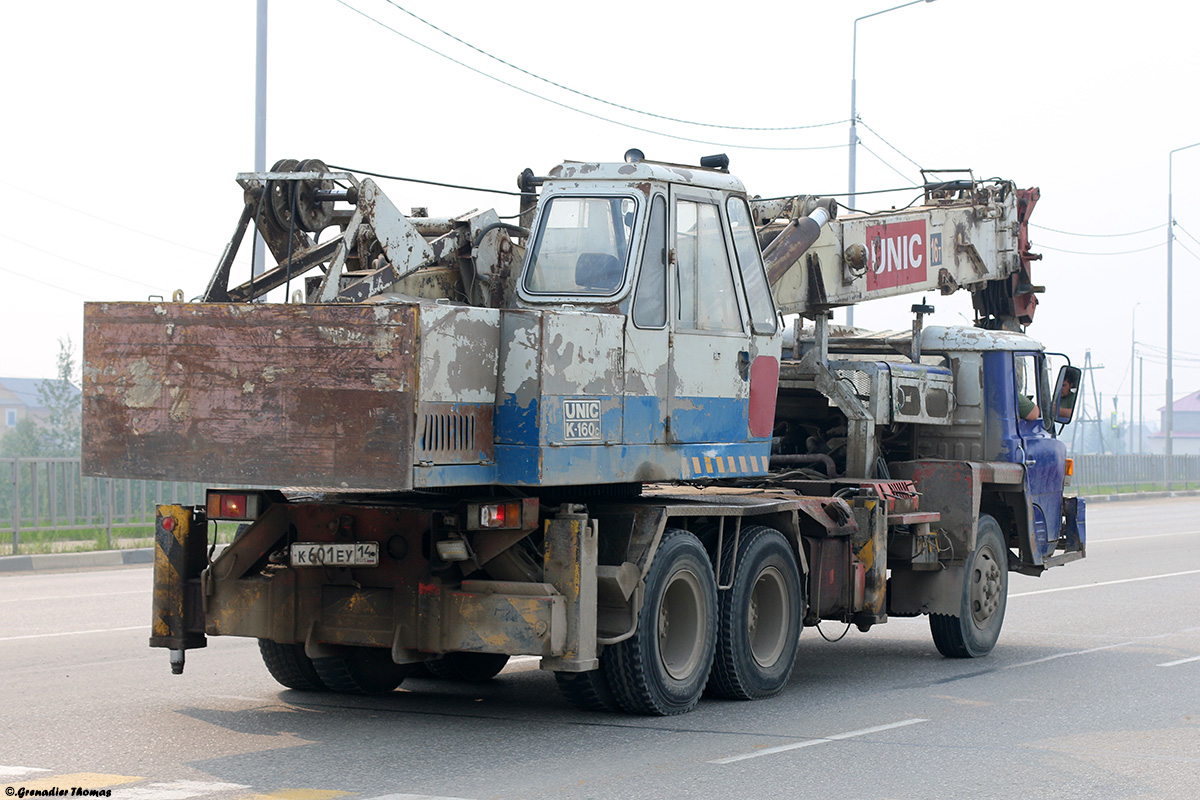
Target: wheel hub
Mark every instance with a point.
(680, 623)
(987, 587)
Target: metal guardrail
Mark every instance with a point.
(1136, 472)
(51, 495)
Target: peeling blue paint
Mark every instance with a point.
(710, 419)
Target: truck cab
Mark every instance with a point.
(653, 271)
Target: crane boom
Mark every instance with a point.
(965, 234)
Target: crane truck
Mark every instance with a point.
(589, 435)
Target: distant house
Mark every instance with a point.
(20, 399)
(1185, 427)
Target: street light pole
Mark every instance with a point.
(854, 113)
(1170, 351)
(260, 119)
(1132, 364)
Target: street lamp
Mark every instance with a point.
(854, 111)
(1132, 364)
(1170, 352)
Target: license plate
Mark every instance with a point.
(321, 554)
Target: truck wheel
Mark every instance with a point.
(361, 670)
(468, 667)
(587, 691)
(758, 618)
(973, 633)
(290, 667)
(663, 667)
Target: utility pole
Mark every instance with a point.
(1132, 358)
(260, 120)
(1141, 401)
(1085, 415)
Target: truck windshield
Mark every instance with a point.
(582, 246)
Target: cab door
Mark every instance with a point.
(1045, 456)
(709, 374)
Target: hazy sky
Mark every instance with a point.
(126, 123)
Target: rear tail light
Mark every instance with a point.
(238, 506)
(509, 515)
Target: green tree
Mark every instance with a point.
(62, 429)
(26, 440)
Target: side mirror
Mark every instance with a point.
(1066, 390)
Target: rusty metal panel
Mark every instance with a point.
(460, 347)
(278, 395)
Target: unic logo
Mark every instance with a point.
(581, 420)
(896, 254)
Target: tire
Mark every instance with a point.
(361, 670)
(663, 667)
(973, 633)
(758, 618)
(290, 667)
(467, 667)
(587, 691)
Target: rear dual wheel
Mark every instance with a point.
(467, 667)
(663, 667)
(360, 670)
(288, 665)
(759, 617)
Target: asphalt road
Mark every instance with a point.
(1092, 692)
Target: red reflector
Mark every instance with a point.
(233, 506)
(168, 523)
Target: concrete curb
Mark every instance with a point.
(91, 558)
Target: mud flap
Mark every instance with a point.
(179, 558)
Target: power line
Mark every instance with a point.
(429, 183)
(535, 76)
(889, 144)
(1193, 238)
(579, 110)
(1093, 235)
(76, 263)
(1080, 253)
(882, 161)
(847, 194)
(1185, 247)
(102, 219)
(45, 283)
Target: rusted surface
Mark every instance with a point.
(275, 395)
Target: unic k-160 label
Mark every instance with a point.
(581, 420)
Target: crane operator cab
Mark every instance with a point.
(654, 307)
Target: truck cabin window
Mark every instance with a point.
(707, 296)
(1026, 376)
(650, 297)
(582, 246)
(754, 277)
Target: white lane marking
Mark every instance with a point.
(15, 772)
(1180, 661)
(70, 596)
(1147, 536)
(413, 797)
(72, 633)
(766, 751)
(1071, 653)
(178, 790)
(1139, 640)
(1108, 583)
